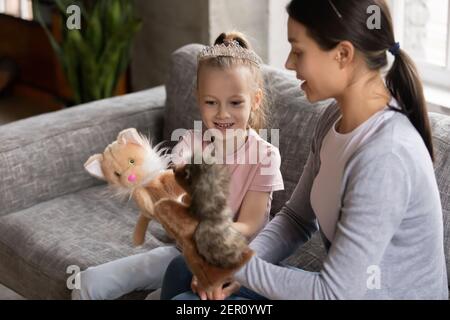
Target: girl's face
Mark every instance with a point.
(226, 97)
(322, 75)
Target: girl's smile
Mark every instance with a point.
(224, 125)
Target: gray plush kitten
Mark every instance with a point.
(217, 241)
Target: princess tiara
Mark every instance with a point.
(229, 49)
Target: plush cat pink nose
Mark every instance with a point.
(132, 177)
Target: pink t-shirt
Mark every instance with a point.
(255, 166)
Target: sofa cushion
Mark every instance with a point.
(85, 229)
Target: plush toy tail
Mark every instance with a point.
(140, 230)
(181, 225)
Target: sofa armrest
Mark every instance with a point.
(42, 157)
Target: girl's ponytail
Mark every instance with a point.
(404, 83)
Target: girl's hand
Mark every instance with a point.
(218, 293)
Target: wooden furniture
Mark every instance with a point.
(40, 75)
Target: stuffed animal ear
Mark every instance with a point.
(94, 166)
(130, 136)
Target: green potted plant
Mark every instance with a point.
(95, 56)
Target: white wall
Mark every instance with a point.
(170, 24)
(167, 25)
(278, 45)
(248, 16)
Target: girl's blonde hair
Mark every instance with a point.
(258, 117)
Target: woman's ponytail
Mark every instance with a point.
(404, 83)
(329, 23)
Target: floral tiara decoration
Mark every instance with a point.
(229, 49)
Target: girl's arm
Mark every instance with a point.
(253, 213)
(293, 225)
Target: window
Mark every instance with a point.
(18, 8)
(423, 29)
(279, 47)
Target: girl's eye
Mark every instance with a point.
(236, 103)
(210, 103)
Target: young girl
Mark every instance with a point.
(369, 182)
(231, 101)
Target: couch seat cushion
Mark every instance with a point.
(86, 228)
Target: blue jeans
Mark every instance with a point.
(177, 284)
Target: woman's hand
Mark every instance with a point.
(220, 292)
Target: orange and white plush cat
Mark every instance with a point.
(135, 168)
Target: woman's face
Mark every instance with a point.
(322, 75)
(226, 97)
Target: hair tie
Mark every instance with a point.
(395, 49)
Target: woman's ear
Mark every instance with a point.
(344, 53)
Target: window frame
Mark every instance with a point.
(432, 75)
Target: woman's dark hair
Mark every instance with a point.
(329, 22)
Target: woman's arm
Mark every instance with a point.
(296, 221)
(253, 213)
(375, 200)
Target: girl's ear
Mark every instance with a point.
(344, 53)
(257, 99)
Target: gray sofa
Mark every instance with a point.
(54, 215)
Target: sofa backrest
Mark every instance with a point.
(440, 125)
(296, 118)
